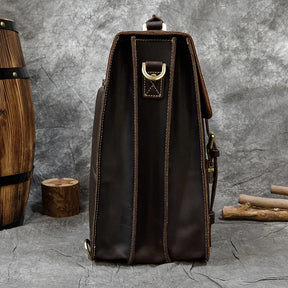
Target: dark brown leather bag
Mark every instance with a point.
(149, 190)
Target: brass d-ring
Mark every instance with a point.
(87, 247)
(153, 77)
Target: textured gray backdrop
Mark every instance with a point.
(243, 50)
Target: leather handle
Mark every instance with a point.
(154, 23)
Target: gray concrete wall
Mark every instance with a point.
(243, 50)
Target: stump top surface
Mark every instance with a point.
(59, 182)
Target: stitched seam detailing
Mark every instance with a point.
(135, 185)
(152, 84)
(99, 148)
(165, 201)
(202, 150)
(167, 150)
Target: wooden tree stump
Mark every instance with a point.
(60, 197)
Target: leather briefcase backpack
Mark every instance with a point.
(149, 181)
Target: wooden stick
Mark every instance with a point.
(281, 190)
(263, 202)
(247, 212)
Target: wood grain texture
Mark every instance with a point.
(17, 136)
(61, 197)
(10, 50)
(246, 212)
(281, 190)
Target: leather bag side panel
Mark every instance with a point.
(92, 178)
(187, 227)
(114, 215)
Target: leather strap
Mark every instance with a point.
(213, 153)
(154, 66)
(6, 24)
(15, 179)
(154, 23)
(13, 73)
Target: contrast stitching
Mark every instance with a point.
(99, 149)
(203, 170)
(167, 151)
(135, 185)
(159, 95)
(153, 86)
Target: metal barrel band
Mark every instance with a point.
(6, 24)
(15, 179)
(14, 73)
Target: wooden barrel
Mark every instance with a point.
(17, 128)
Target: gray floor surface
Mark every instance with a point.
(49, 252)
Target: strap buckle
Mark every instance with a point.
(153, 77)
(211, 141)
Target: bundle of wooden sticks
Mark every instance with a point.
(259, 208)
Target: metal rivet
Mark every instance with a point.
(2, 24)
(15, 74)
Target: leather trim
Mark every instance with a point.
(8, 25)
(202, 148)
(167, 149)
(14, 73)
(15, 179)
(136, 147)
(98, 149)
(92, 184)
(205, 103)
